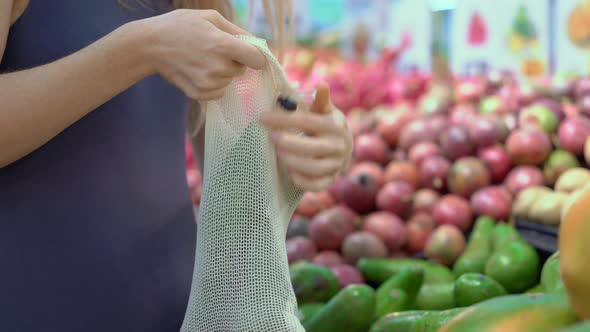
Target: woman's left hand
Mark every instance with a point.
(316, 158)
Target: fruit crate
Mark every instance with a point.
(542, 237)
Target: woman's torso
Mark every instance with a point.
(96, 227)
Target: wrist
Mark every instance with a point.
(136, 42)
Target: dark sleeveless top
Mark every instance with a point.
(97, 230)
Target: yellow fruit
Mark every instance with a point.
(572, 180)
(574, 245)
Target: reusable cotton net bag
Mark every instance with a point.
(241, 278)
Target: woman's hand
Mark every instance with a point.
(315, 159)
(196, 50)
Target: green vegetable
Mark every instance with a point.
(580, 327)
(550, 276)
(308, 311)
(351, 310)
(398, 321)
(432, 321)
(415, 321)
(522, 313)
(436, 297)
(479, 248)
(504, 234)
(312, 283)
(399, 292)
(472, 288)
(535, 289)
(515, 266)
(378, 270)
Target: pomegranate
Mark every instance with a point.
(347, 275)
(423, 150)
(416, 238)
(445, 245)
(415, 132)
(403, 171)
(573, 133)
(329, 228)
(494, 201)
(467, 175)
(462, 115)
(522, 177)
(497, 160)
(370, 147)
(424, 220)
(298, 226)
(453, 210)
(528, 146)
(372, 169)
(328, 258)
(424, 200)
(300, 248)
(311, 203)
(396, 197)
(362, 244)
(483, 131)
(359, 192)
(388, 227)
(433, 172)
(437, 124)
(455, 143)
(390, 124)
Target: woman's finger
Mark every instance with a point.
(310, 167)
(311, 184)
(310, 123)
(309, 146)
(322, 103)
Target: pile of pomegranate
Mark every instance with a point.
(429, 159)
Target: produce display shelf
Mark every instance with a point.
(542, 237)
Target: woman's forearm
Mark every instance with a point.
(38, 103)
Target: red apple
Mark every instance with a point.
(328, 258)
(522, 177)
(370, 147)
(528, 146)
(424, 220)
(417, 238)
(494, 201)
(362, 244)
(497, 160)
(391, 123)
(347, 275)
(467, 175)
(403, 171)
(445, 245)
(424, 200)
(300, 248)
(453, 210)
(415, 132)
(396, 197)
(329, 228)
(455, 143)
(423, 150)
(573, 133)
(483, 131)
(433, 172)
(388, 227)
(359, 192)
(372, 169)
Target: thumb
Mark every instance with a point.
(322, 103)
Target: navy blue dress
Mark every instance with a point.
(97, 230)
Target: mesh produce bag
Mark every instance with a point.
(241, 278)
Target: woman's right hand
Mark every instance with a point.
(196, 50)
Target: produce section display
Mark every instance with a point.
(423, 232)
